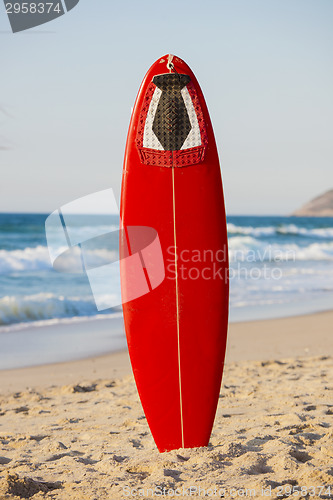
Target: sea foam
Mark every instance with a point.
(38, 259)
(43, 306)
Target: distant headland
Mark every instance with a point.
(321, 206)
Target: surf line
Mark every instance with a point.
(177, 304)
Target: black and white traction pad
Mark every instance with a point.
(171, 130)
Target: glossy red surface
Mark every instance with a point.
(177, 332)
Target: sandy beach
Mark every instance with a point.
(76, 430)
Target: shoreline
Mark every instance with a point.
(258, 340)
(82, 338)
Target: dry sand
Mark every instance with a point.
(77, 430)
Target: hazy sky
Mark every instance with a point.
(265, 66)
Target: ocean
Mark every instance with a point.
(279, 266)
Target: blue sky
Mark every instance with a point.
(265, 66)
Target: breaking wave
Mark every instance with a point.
(38, 259)
(287, 229)
(43, 306)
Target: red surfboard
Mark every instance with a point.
(174, 257)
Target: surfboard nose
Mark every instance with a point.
(171, 128)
